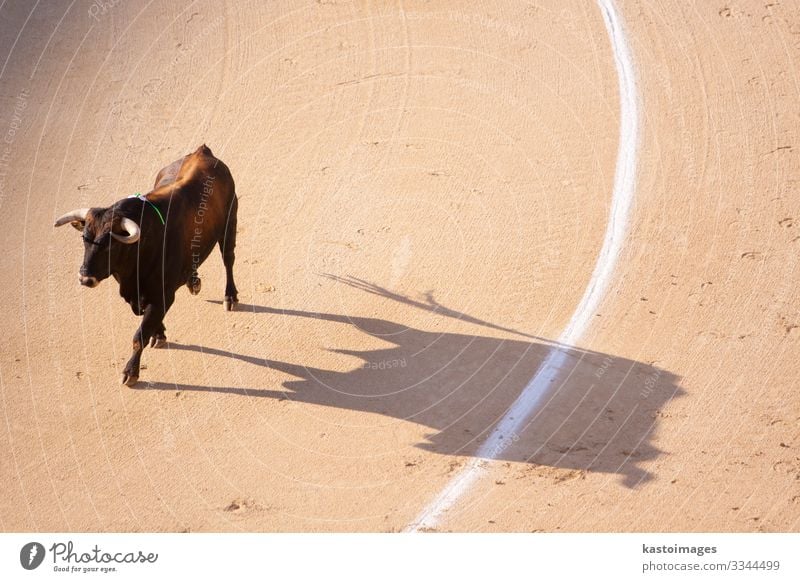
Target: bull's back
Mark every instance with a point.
(168, 174)
(195, 195)
(198, 182)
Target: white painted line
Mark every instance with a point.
(621, 201)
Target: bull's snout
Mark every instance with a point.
(90, 282)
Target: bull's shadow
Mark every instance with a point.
(599, 416)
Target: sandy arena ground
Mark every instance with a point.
(424, 188)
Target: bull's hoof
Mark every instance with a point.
(194, 286)
(158, 341)
(230, 304)
(129, 380)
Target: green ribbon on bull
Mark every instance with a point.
(141, 197)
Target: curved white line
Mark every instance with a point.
(547, 374)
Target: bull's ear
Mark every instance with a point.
(77, 218)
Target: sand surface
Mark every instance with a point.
(424, 188)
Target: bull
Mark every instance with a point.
(153, 244)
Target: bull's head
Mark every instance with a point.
(100, 227)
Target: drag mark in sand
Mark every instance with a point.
(507, 429)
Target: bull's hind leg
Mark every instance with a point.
(227, 245)
(194, 283)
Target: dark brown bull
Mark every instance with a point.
(153, 244)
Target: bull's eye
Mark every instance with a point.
(100, 242)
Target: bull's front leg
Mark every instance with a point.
(152, 324)
(159, 338)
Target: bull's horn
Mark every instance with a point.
(77, 215)
(133, 230)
